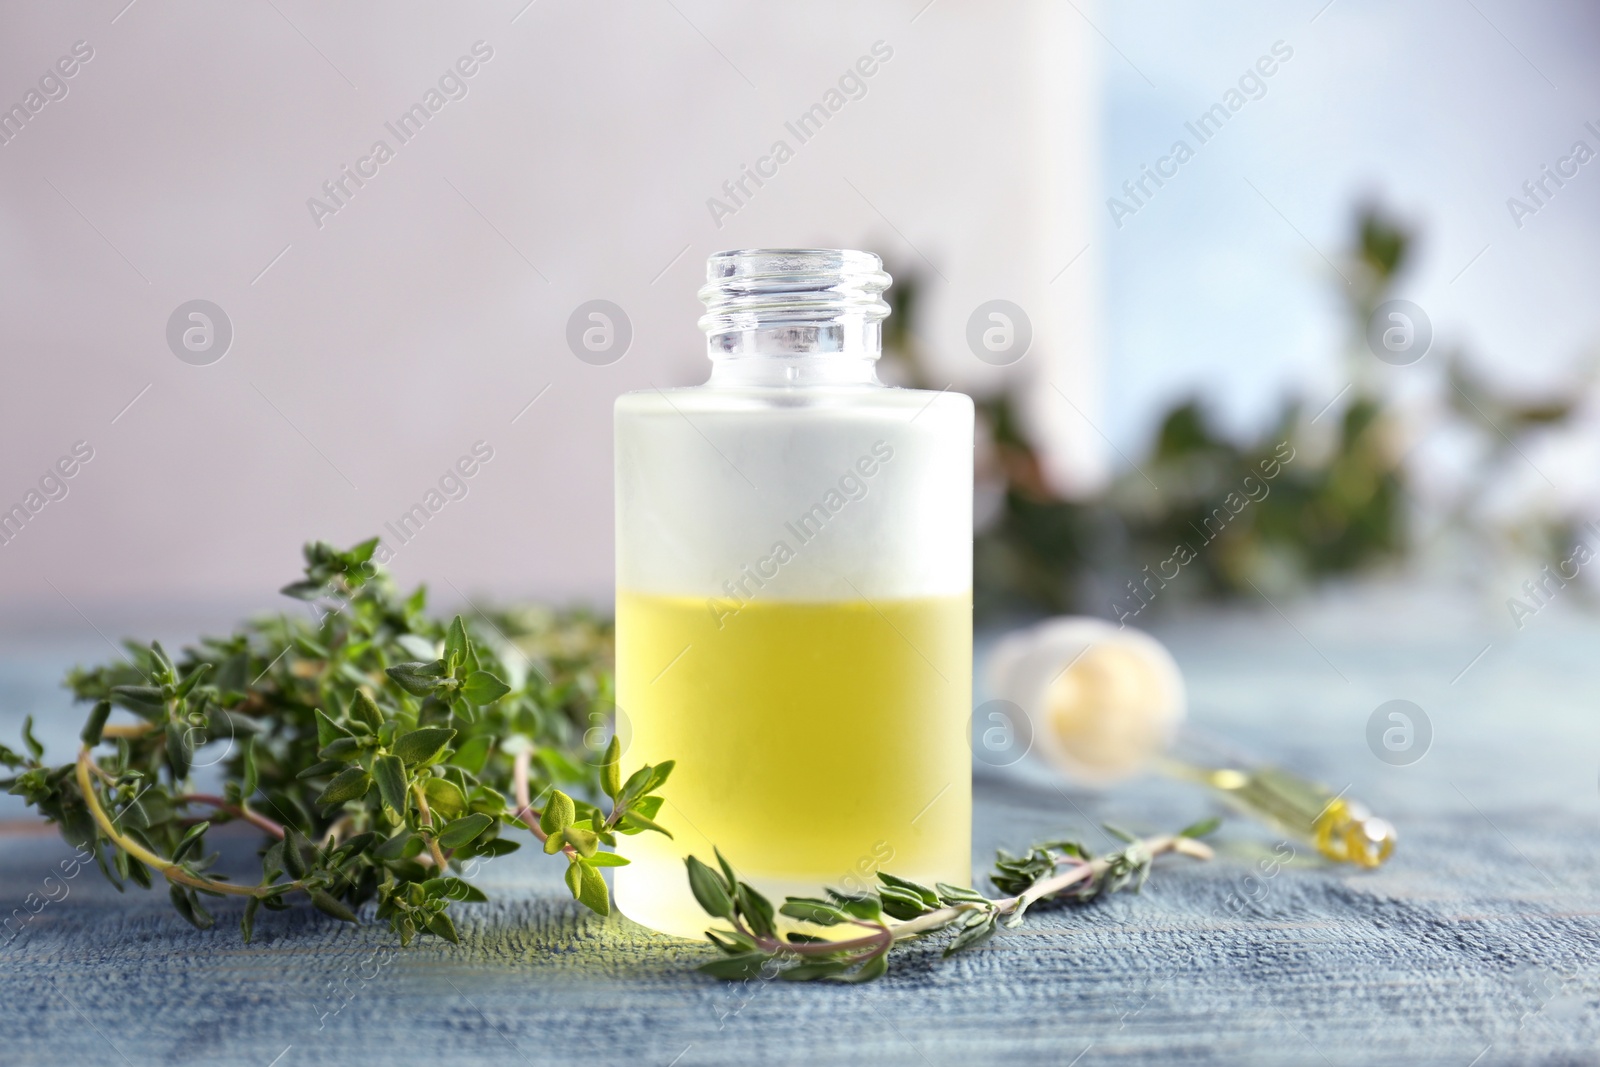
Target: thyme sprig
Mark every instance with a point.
(372, 744)
(901, 910)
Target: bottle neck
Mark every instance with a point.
(791, 317)
(794, 370)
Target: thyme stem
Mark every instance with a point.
(242, 811)
(169, 870)
(934, 920)
(428, 830)
(904, 910)
(131, 730)
(527, 814)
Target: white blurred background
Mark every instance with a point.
(372, 351)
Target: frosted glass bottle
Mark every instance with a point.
(794, 592)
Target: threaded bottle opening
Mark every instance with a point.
(794, 302)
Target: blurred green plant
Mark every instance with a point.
(1318, 495)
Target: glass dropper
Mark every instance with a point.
(1103, 703)
(1337, 826)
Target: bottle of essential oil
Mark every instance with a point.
(794, 597)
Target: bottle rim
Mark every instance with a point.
(753, 289)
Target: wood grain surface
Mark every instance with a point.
(1476, 944)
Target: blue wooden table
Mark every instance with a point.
(1476, 944)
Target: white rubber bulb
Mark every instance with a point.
(1102, 702)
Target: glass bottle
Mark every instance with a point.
(794, 595)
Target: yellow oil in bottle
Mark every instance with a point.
(816, 742)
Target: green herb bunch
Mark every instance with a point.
(902, 910)
(379, 749)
